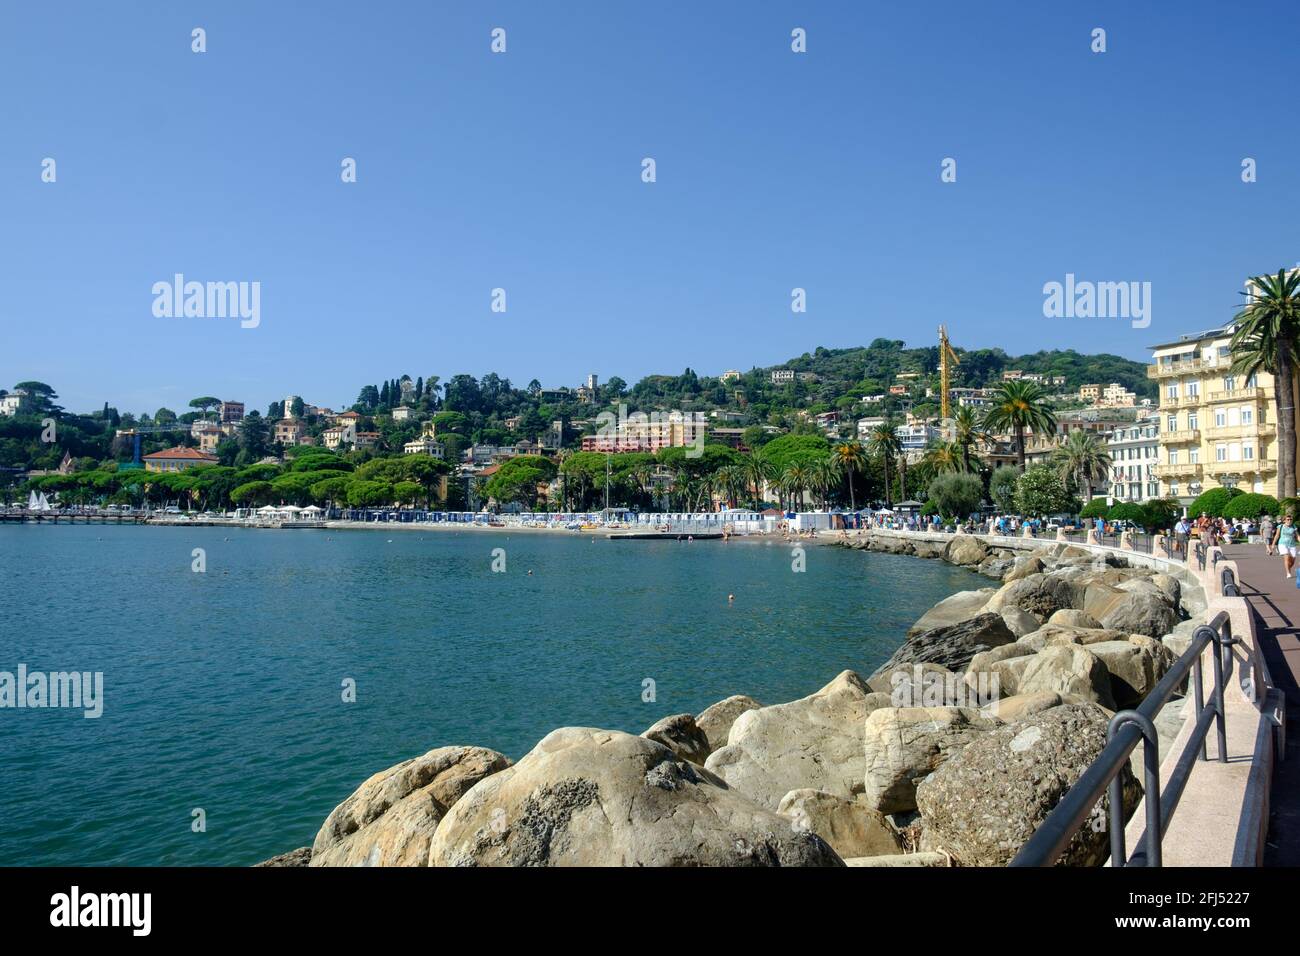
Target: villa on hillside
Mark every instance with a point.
(177, 459)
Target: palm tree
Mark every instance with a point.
(1017, 405)
(796, 480)
(758, 470)
(1081, 458)
(884, 442)
(1268, 337)
(822, 478)
(945, 456)
(849, 456)
(969, 433)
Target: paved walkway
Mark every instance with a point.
(1276, 602)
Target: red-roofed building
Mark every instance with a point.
(177, 459)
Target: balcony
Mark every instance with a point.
(1185, 469)
(1184, 437)
(1255, 466)
(1238, 395)
(1226, 432)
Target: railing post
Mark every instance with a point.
(1221, 644)
(1199, 696)
(1151, 782)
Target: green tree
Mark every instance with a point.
(884, 442)
(1040, 492)
(956, 494)
(1080, 460)
(1019, 405)
(1267, 337)
(1251, 505)
(1212, 502)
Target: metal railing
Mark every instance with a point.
(1129, 727)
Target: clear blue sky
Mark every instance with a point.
(522, 171)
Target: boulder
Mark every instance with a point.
(1072, 618)
(587, 797)
(298, 857)
(1001, 678)
(1140, 612)
(956, 609)
(965, 549)
(952, 646)
(1170, 585)
(680, 734)
(905, 859)
(1023, 568)
(814, 742)
(929, 549)
(995, 567)
(1011, 709)
(906, 744)
(716, 719)
(983, 677)
(850, 826)
(1067, 670)
(1042, 595)
(914, 685)
(1052, 635)
(1180, 638)
(984, 804)
(390, 818)
(1019, 622)
(1135, 667)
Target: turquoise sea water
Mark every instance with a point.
(222, 690)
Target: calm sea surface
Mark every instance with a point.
(222, 690)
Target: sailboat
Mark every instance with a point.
(37, 502)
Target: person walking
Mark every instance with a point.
(1266, 532)
(1285, 542)
(1181, 531)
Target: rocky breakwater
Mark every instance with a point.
(951, 753)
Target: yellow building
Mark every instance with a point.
(1217, 429)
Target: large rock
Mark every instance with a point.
(906, 744)
(391, 817)
(1067, 670)
(1024, 567)
(298, 857)
(814, 742)
(1073, 618)
(680, 734)
(1042, 595)
(965, 549)
(1180, 638)
(716, 719)
(1011, 709)
(1141, 612)
(952, 646)
(850, 826)
(1052, 635)
(1135, 667)
(956, 609)
(1019, 622)
(587, 797)
(906, 859)
(983, 804)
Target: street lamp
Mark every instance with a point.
(1229, 481)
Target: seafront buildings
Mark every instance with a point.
(1134, 453)
(1216, 428)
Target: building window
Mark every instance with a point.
(1247, 415)
(1229, 383)
(1173, 423)
(1171, 392)
(1194, 456)
(1220, 452)
(1192, 421)
(1220, 418)
(1173, 456)
(1193, 389)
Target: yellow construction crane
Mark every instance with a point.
(946, 356)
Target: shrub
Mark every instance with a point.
(1212, 502)
(1096, 508)
(956, 494)
(1250, 505)
(1002, 487)
(1161, 514)
(1127, 511)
